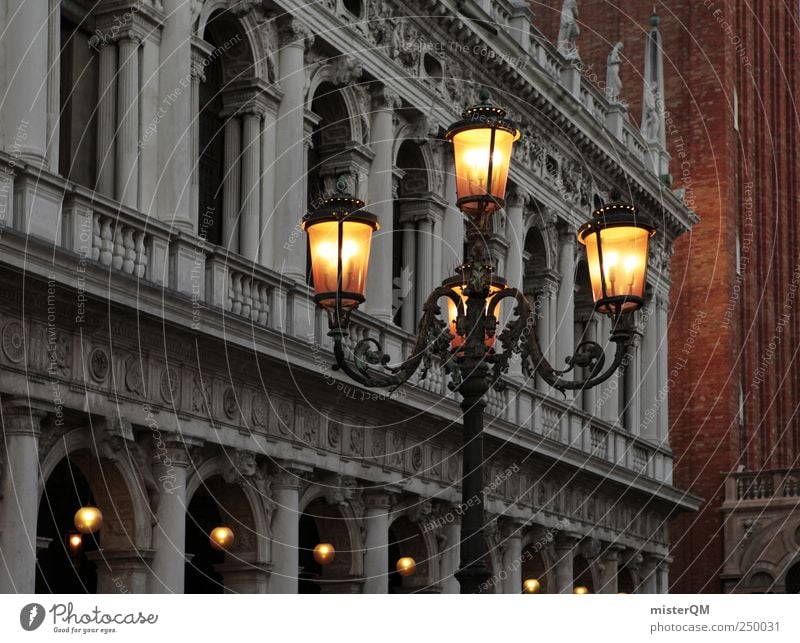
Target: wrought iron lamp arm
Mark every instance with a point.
(368, 364)
(520, 336)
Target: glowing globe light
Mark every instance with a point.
(88, 520)
(75, 542)
(580, 589)
(221, 538)
(324, 553)
(531, 586)
(406, 566)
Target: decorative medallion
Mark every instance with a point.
(285, 417)
(334, 434)
(14, 341)
(357, 440)
(133, 375)
(170, 385)
(258, 413)
(416, 458)
(452, 467)
(98, 365)
(230, 404)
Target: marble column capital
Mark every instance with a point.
(517, 198)
(293, 33)
(612, 552)
(567, 235)
(23, 416)
(383, 499)
(290, 475)
(174, 449)
(567, 540)
(384, 98)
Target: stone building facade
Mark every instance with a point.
(160, 354)
(732, 77)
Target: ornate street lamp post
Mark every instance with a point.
(617, 244)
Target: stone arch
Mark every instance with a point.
(792, 580)
(583, 573)
(772, 544)
(347, 517)
(537, 561)
(416, 161)
(251, 522)
(117, 488)
(328, 76)
(251, 35)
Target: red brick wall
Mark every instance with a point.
(710, 49)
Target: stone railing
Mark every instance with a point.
(114, 236)
(126, 242)
(764, 485)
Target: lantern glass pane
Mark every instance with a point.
(452, 314)
(324, 244)
(471, 150)
(625, 252)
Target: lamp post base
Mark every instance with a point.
(473, 578)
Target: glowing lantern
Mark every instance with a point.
(339, 235)
(324, 553)
(221, 538)
(482, 143)
(580, 589)
(406, 566)
(88, 520)
(617, 241)
(75, 542)
(531, 586)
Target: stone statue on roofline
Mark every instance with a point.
(613, 80)
(569, 30)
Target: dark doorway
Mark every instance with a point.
(203, 515)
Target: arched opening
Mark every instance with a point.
(227, 85)
(210, 570)
(60, 568)
(534, 567)
(322, 522)
(792, 584)
(582, 573)
(410, 207)
(762, 583)
(406, 540)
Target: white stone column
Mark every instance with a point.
(662, 583)
(609, 570)
(565, 337)
(450, 553)
(515, 235)
(250, 220)
(564, 547)
(633, 379)
(512, 562)
(376, 542)
(169, 532)
(609, 391)
(268, 168)
(381, 202)
(25, 95)
(19, 495)
(231, 183)
(289, 254)
(649, 376)
(53, 84)
(662, 359)
(424, 266)
(175, 127)
(589, 396)
(453, 223)
(546, 324)
(127, 148)
(285, 532)
(408, 309)
(648, 576)
(106, 117)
